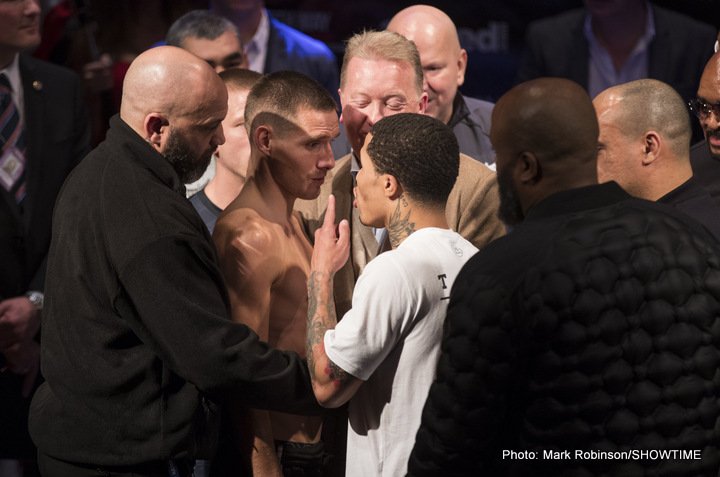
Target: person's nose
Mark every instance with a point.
(219, 136)
(327, 161)
(714, 117)
(710, 122)
(375, 113)
(32, 8)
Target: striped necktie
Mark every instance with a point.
(12, 140)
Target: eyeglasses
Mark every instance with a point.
(702, 109)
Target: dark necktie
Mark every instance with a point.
(12, 140)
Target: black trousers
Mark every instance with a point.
(301, 460)
(52, 467)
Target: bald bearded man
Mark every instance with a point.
(137, 342)
(444, 63)
(592, 328)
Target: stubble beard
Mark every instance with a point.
(180, 157)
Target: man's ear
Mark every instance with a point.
(423, 102)
(391, 186)
(262, 137)
(528, 169)
(651, 147)
(462, 66)
(155, 126)
(340, 119)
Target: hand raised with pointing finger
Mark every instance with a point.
(332, 248)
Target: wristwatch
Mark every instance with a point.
(36, 298)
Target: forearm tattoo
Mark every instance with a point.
(336, 374)
(399, 227)
(321, 317)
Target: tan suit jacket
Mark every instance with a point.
(472, 211)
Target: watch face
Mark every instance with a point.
(36, 298)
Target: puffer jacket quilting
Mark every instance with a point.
(589, 328)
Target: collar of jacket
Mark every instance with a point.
(460, 110)
(577, 200)
(143, 154)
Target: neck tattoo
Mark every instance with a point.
(400, 227)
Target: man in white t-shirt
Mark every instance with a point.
(382, 355)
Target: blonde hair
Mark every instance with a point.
(383, 45)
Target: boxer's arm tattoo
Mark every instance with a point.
(336, 374)
(399, 227)
(321, 317)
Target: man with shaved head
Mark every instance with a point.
(705, 155)
(137, 342)
(644, 146)
(586, 340)
(444, 63)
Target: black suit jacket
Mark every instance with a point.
(557, 46)
(57, 137)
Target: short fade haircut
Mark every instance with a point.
(651, 104)
(281, 95)
(420, 151)
(198, 24)
(240, 79)
(383, 45)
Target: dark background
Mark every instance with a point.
(75, 32)
(492, 31)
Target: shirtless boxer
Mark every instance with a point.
(264, 255)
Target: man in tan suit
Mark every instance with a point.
(381, 75)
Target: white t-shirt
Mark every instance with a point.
(391, 340)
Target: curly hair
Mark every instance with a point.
(420, 151)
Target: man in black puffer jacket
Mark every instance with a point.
(587, 341)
